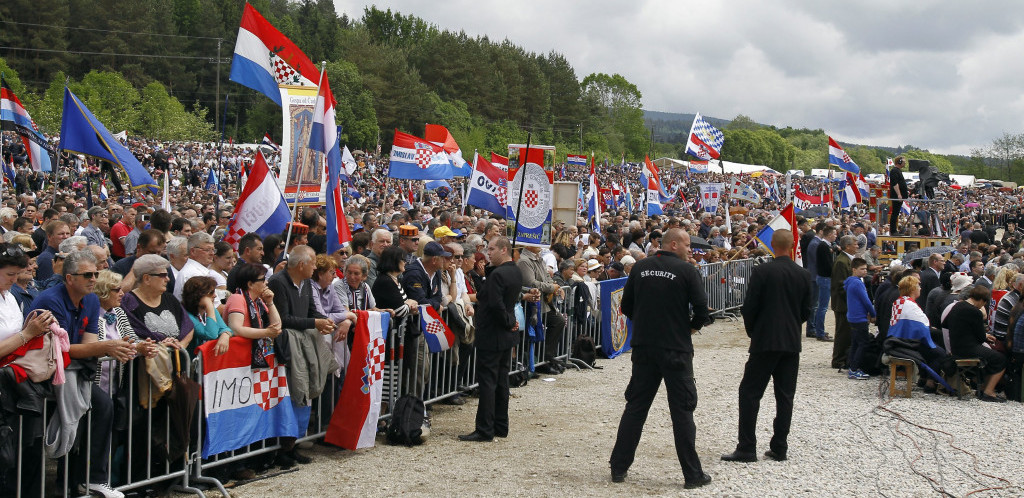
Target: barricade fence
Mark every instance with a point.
(145, 428)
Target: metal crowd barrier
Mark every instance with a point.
(409, 368)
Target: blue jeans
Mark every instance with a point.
(811, 329)
(858, 340)
(824, 292)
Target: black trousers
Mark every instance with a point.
(492, 374)
(554, 334)
(650, 366)
(841, 341)
(894, 217)
(93, 457)
(782, 368)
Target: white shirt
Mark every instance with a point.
(191, 269)
(11, 317)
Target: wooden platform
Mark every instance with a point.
(896, 247)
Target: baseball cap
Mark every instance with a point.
(435, 249)
(443, 231)
(408, 231)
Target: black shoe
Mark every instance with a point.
(455, 400)
(739, 456)
(284, 461)
(810, 335)
(992, 399)
(547, 370)
(475, 437)
(825, 338)
(703, 480)
(299, 457)
(619, 476)
(774, 455)
(500, 433)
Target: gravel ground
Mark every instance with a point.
(563, 431)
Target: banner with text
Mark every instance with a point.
(530, 197)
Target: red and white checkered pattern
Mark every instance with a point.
(897, 309)
(423, 154)
(374, 369)
(283, 73)
(531, 199)
(234, 234)
(269, 386)
(503, 192)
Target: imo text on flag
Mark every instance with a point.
(82, 133)
(14, 117)
(413, 158)
(440, 136)
(786, 220)
(710, 196)
(616, 328)
(488, 187)
(740, 190)
(265, 59)
(260, 208)
(839, 157)
(244, 405)
(593, 206)
(802, 201)
(435, 332)
(530, 195)
(705, 141)
(354, 421)
(324, 138)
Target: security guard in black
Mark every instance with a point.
(665, 299)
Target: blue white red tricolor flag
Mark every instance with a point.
(437, 334)
(441, 137)
(650, 171)
(908, 321)
(269, 143)
(103, 190)
(593, 206)
(261, 208)
(705, 141)
(354, 422)
(14, 117)
(265, 59)
(577, 160)
(413, 158)
(653, 196)
(802, 201)
(839, 157)
(244, 405)
(323, 137)
(488, 187)
(786, 220)
(849, 192)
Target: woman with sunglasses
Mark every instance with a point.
(152, 310)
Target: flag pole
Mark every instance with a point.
(522, 183)
(298, 184)
(220, 157)
(60, 140)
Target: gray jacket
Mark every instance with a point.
(310, 362)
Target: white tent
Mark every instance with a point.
(963, 180)
(730, 167)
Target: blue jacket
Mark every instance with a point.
(858, 306)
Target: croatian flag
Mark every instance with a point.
(862, 186)
(500, 162)
(9, 174)
(265, 59)
(323, 137)
(413, 158)
(14, 117)
(698, 167)
(839, 157)
(786, 220)
(802, 201)
(440, 136)
(245, 405)
(705, 141)
(851, 194)
(653, 196)
(354, 422)
(909, 322)
(103, 190)
(576, 160)
(651, 172)
(261, 208)
(488, 187)
(593, 206)
(270, 143)
(437, 334)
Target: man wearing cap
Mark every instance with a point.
(444, 235)
(300, 233)
(408, 239)
(422, 283)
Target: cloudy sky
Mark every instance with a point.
(945, 76)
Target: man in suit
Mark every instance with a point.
(930, 277)
(772, 315)
(496, 334)
(823, 261)
(658, 297)
(898, 191)
(840, 271)
(809, 248)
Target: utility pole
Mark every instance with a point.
(218, 61)
(581, 137)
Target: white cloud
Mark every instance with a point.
(939, 75)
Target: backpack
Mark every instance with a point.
(520, 378)
(583, 348)
(406, 426)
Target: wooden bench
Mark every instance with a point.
(901, 377)
(968, 367)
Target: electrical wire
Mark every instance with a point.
(79, 52)
(109, 30)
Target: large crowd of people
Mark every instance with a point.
(116, 275)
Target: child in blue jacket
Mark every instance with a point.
(859, 312)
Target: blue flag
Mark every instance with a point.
(82, 133)
(212, 182)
